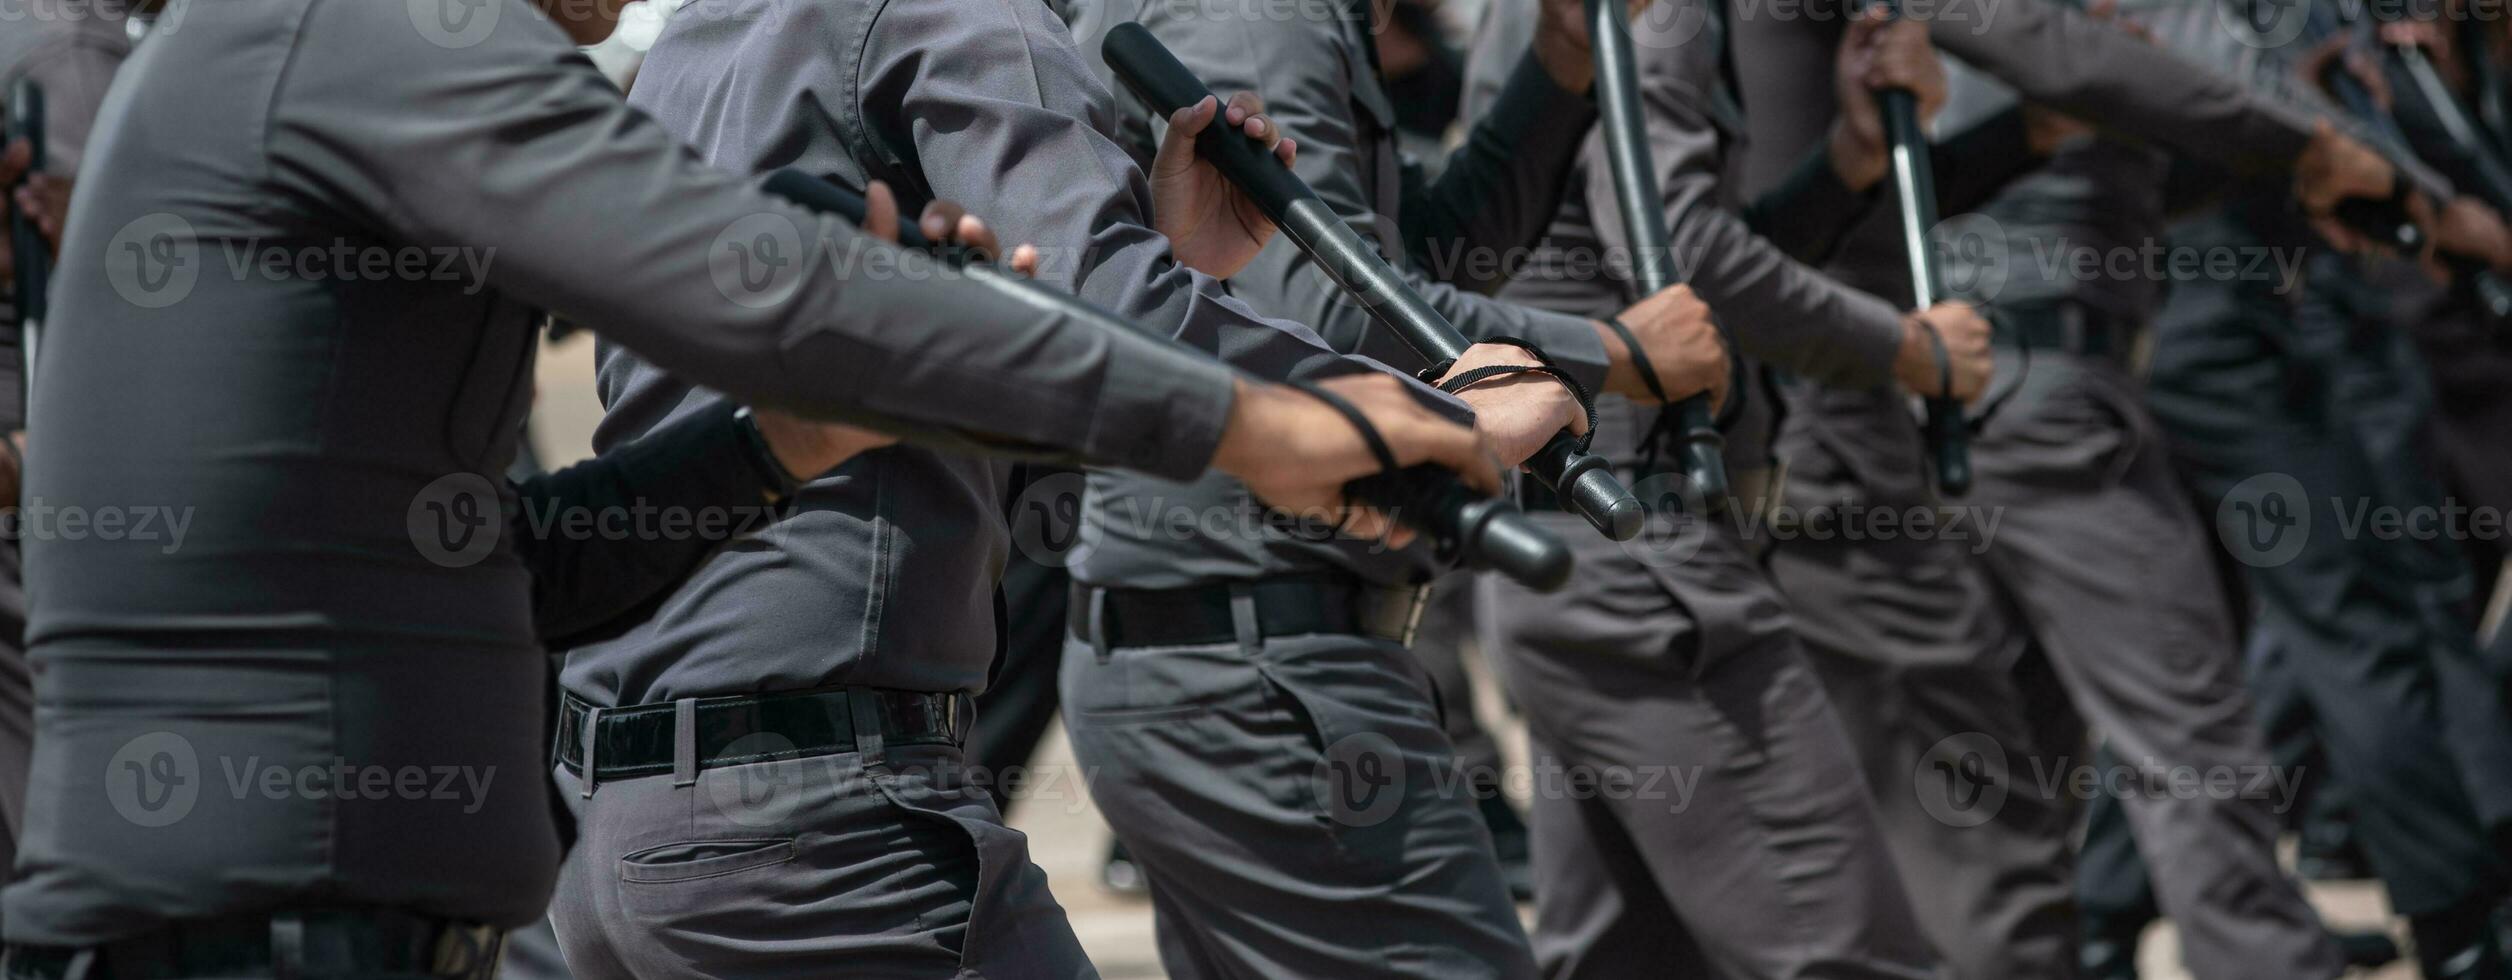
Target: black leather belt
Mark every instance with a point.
(641, 740)
(307, 943)
(1285, 605)
(2068, 327)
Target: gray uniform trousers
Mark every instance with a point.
(895, 866)
(2096, 555)
(2296, 421)
(1449, 635)
(1295, 806)
(1698, 810)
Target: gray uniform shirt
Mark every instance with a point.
(1775, 306)
(884, 573)
(1316, 67)
(305, 419)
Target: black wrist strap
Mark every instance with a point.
(1545, 366)
(1369, 437)
(1944, 360)
(1639, 358)
(1369, 433)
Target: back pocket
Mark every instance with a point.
(703, 859)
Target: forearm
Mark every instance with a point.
(733, 291)
(1806, 215)
(1283, 279)
(2055, 55)
(1503, 185)
(1780, 310)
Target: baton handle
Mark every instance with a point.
(1914, 180)
(1621, 116)
(1149, 70)
(1479, 531)
(26, 243)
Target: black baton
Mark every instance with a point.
(26, 241)
(1584, 483)
(1619, 115)
(1479, 531)
(1914, 181)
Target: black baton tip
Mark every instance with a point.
(1624, 517)
(1513, 544)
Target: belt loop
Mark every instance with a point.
(1251, 634)
(1417, 600)
(1095, 620)
(963, 717)
(287, 946)
(592, 728)
(685, 742)
(865, 707)
(83, 966)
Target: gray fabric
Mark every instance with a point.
(1697, 809)
(1295, 808)
(1445, 639)
(1315, 67)
(2371, 635)
(72, 49)
(2098, 554)
(1991, 890)
(2050, 52)
(301, 421)
(532, 954)
(883, 575)
(1778, 309)
(808, 868)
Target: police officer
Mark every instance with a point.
(276, 747)
(2096, 561)
(880, 852)
(1760, 855)
(1254, 729)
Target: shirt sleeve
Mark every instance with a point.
(1298, 58)
(699, 465)
(2054, 54)
(1014, 127)
(517, 147)
(1777, 308)
(1502, 186)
